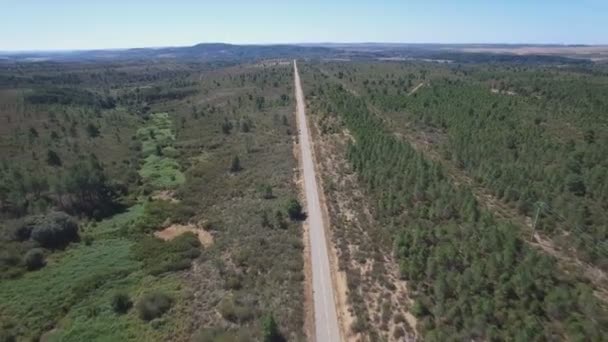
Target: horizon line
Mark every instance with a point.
(67, 50)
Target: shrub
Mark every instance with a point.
(270, 330)
(265, 221)
(153, 305)
(281, 223)
(54, 230)
(52, 158)
(34, 259)
(235, 166)
(266, 191)
(294, 210)
(121, 303)
(234, 312)
(88, 240)
(167, 256)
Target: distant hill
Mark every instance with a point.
(458, 53)
(201, 52)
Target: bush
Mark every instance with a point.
(281, 223)
(266, 191)
(54, 230)
(160, 256)
(153, 305)
(294, 210)
(234, 312)
(270, 330)
(52, 158)
(34, 259)
(235, 166)
(88, 240)
(121, 303)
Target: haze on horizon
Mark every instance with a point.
(76, 25)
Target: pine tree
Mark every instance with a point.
(270, 330)
(235, 166)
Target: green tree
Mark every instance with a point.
(226, 126)
(52, 158)
(235, 166)
(267, 191)
(576, 185)
(92, 130)
(270, 330)
(294, 209)
(121, 303)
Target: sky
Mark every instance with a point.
(83, 24)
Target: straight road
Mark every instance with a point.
(326, 319)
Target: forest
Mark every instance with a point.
(473, 275)
(534, 138)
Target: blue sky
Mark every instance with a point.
(83, 24)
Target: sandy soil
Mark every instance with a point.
(415, 89)
(165, 195)
(176, 230)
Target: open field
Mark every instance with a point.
(594, 52)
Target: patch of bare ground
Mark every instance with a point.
(502, 92)
(427, 143)
(176, 230)
(165, 195)
(373, 302)
(415, 89)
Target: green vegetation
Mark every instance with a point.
(159, 257)
(546, 146)
(153, 305)
(97, 158)
(271, 331)
(471, 275)
(160, 169)
(294, 210)
(33, 303)
(121, 303)
(54, 230)
(34, 259)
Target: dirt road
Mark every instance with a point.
(326, 319)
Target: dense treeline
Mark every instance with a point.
(82, 189)
(536, 137)
(93, 75)
(472, 277)
(157, 94)
(70, 96)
